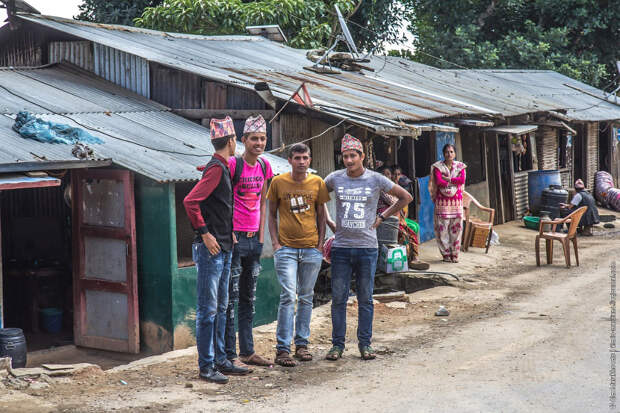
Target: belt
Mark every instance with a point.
(248, 234)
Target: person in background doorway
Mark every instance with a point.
(583, 198)
(209, 206)
(297, 199)
(250, 174)
(406, 183)
(355, 247)
(387, 172)
(446, 188)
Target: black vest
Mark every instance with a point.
(591, 216)
(217, 209)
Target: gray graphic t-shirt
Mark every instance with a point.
(356, 207)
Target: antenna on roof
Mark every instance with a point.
(345, 37)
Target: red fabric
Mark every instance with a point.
(459, 180)
(439, 178)
(200, 192)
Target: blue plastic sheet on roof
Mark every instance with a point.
(31, 127)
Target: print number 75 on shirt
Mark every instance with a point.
(358, 210)
(353, 216)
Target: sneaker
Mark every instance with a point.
(212, 375)
(230, 369)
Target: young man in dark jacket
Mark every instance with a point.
(209, 207)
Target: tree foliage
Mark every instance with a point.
(579, 38)
(114, 11)
(306, 23)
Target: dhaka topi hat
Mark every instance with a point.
(579, 184)
(350, 142)
(255, 124)
(221, 128)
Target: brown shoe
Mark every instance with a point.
(241, 364)
(256, 360)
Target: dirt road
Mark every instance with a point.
(519, 338)
(546, 352)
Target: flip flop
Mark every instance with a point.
(367, 353)
(284, 359)
(302, 354)
(334, 353)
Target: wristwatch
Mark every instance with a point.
(381, 217)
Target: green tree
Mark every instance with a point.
(114, 11)
(306, 23)
(579, 38)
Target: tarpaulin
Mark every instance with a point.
(31, 127)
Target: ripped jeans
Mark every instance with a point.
(245, 268)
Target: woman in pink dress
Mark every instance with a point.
(448, 182)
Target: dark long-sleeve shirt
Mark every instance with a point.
(200, 192)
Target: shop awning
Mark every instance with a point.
(472, 122)
(514, 129)
(23, 181)
(436, 127)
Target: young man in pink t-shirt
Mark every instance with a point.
(249, 188)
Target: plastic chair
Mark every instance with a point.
(472, 223)
(565, 239)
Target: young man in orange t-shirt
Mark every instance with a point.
(297, 198)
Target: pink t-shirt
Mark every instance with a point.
(246, 213)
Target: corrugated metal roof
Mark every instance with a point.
(398, 89)
(246, 60)
(509, 92)
(138, 134)
(555, 89)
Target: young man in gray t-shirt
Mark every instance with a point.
(355, 247)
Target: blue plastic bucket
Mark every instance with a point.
(536, 182)
(51, 319)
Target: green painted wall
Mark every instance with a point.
(155, 228)
(167, 293)
(184, 301)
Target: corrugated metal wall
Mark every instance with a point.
(295, 128)
(123, 69)
(547, 148)
(323, 148)
(22, 49)
(77, 53)
(520, 194)
(592, 153)
(175, 89)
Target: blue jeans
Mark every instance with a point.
(297, 270)
(345, 261)
(244, 272)
(211, 302)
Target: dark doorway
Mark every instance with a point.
(579, 153)
(506, 173)
(604, 148)
(37, 265)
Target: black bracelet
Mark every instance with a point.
(380, 216)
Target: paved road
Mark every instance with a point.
(548, 352)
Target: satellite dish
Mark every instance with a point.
(345, 31)
(345, 37)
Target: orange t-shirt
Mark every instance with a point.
(297, 206)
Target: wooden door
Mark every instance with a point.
(104, 262)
